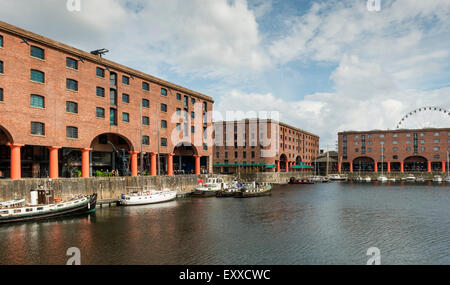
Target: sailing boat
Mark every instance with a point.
(447, 178)
(382, 178)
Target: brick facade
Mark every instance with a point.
(16, 113)
(419, 149)
(242, 143)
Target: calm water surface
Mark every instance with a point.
(299, 224)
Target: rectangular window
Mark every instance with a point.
(163, 108)
(126, 117)
(145, 121)
(1, 94)
(126, 80)
(72, 132)
(145, 103)
(1, 41)
(100, 72)
(37, 52)
(145, 140)
(37, 76)
(100, 112)
(178, 127)
(193, 115)
(125, 98)
(100, 92)
(192, 101)
(37, 101)
(37, 129)
(178, 96)
(71, 107)
(113, 117)
(163, 92)
(71, 84)
(192, 130)
(163, 142)
(178, 112)
(1, 66)
(163, 124)
(145, 86)
(113, 97)
(112, 79)
(72, 63)
(185, 102)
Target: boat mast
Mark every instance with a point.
(382, 161)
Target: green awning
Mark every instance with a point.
(301, 166)
(270, 166)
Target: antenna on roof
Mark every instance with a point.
(100, 52)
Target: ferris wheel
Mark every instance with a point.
(426, 117)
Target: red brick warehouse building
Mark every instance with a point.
(259, 145)
(403, 150)
(63, 110)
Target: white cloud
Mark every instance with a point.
(205, 38)
(383, 60)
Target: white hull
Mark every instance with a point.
(152, 198)
(382, 179)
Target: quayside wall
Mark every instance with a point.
(112, 187)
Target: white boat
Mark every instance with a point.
(367, 179)
(437, 178)
(147, 196)
(12, 203)
(382, 178)
(337, 177)
(447, 179)
(391, 179)
(411, 178)
(210, 187)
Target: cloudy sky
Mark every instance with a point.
(326, 66)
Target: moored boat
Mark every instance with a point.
(410, 178)
(337, 177)
(437, 178)
(254, 190)
(368, 179)
(147, 196)
(300, 181)
(42, 206)
(210, 188)
(447, 179)
(382, 178)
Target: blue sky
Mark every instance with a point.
(325, 66)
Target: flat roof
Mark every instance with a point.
(96, 59)
(397, 131)
(268, 120)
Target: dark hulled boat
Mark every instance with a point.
(46, 208)
(255, 191)
(300, 181)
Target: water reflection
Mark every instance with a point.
(299, 224)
